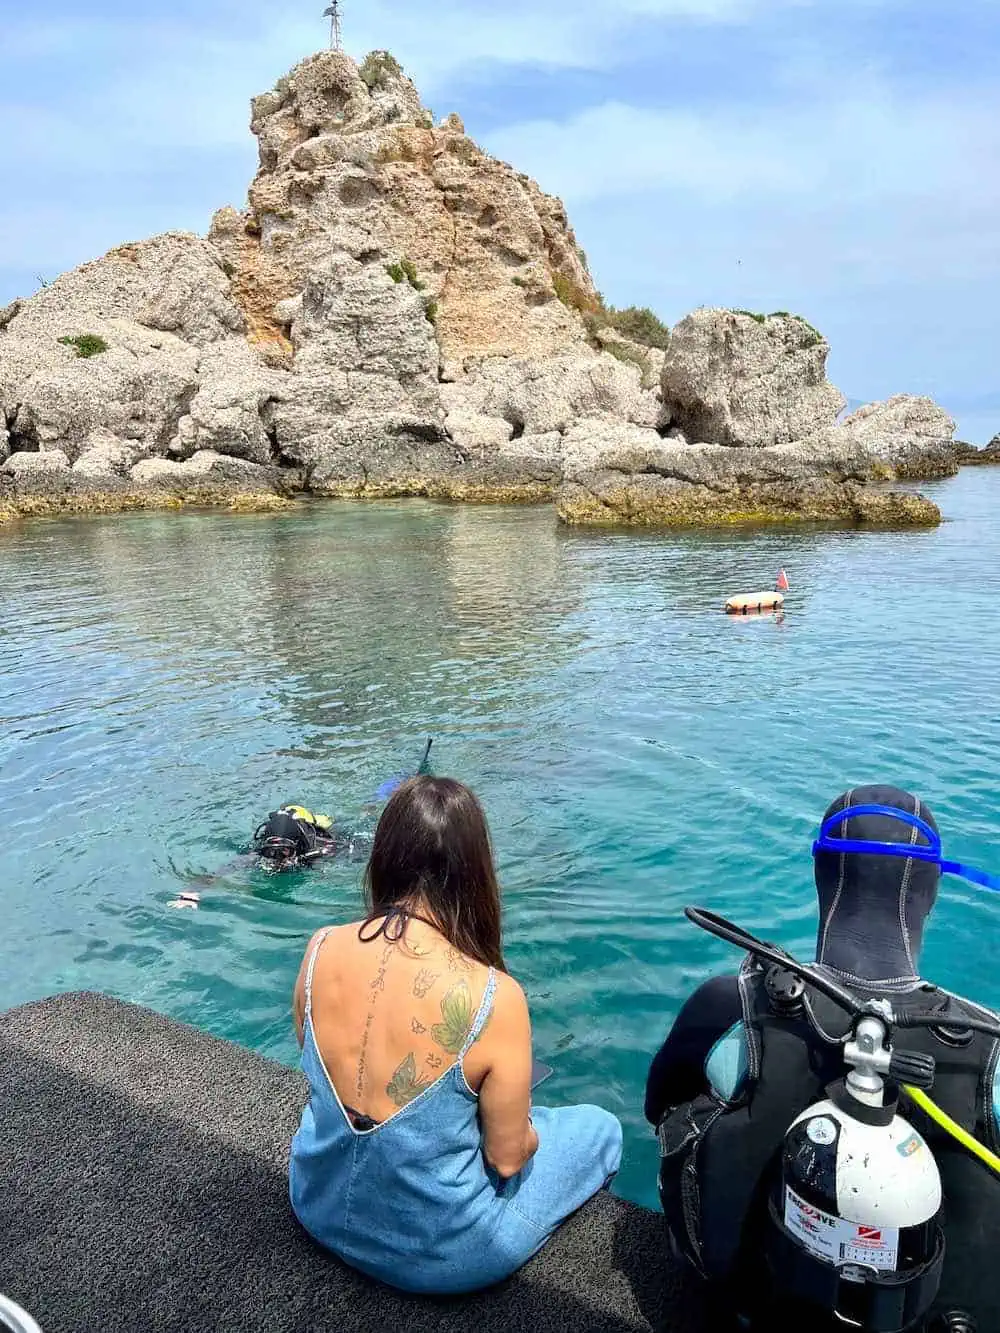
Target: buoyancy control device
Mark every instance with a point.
(853, 1213)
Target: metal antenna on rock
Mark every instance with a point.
(333, 14)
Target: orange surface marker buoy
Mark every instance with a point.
(759, 601)
(754, 601)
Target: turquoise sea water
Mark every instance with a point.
(166, 680)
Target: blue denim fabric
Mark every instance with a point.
(413, 1203)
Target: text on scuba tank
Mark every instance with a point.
(837, 1241)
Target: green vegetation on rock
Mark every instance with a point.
(379, 69)
(86, 344)
(631, 356)
(637, 323)
(573, 296)
(405, 271)
(816, 337)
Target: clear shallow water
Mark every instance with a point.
(166, 680)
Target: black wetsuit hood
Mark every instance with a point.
(872, 909)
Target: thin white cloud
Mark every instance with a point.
(870, 180)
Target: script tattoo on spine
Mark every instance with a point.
(378, 984)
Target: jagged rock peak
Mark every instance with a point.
(329, 94)
(352, 162)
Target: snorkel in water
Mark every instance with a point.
(392, 785)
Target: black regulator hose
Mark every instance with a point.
(963, 1024)
(732, 934)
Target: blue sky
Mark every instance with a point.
(837, 158)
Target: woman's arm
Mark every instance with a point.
(509, 1138)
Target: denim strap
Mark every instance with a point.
(312, 967)
(485, 1009)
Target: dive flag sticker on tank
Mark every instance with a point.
(838, 1241)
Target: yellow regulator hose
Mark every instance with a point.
(952, 1127)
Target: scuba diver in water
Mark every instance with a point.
(732, 1090)
(293, 838)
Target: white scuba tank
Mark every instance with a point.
(856, 1211)
(852, 1188)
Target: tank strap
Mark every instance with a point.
(312, 968)
(482, 1015)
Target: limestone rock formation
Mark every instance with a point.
(905, 438)
(967, 455)
(365, 398)
(739, 379)
(395, 312)
(540, 397)
(342, 147)
(635, 478)
(135, 356)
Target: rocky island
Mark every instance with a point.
(397, 313)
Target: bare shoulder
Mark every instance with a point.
(510, 992)
(510, 1004)
(318, 937)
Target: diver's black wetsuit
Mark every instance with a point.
(872, 913)
(677, 1073)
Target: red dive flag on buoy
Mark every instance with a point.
(782, 581)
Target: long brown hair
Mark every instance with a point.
(432, 854)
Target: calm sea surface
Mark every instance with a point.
(167, 680)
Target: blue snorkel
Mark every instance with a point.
(909, 851)
(392, 785)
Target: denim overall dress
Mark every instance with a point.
(412, 1201)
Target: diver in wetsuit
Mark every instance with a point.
(293, 838)
(734, 1072)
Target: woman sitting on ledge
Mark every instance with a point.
(419, 1159)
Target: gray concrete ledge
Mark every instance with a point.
(143, 1189)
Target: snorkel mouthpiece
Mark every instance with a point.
(929, 851)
